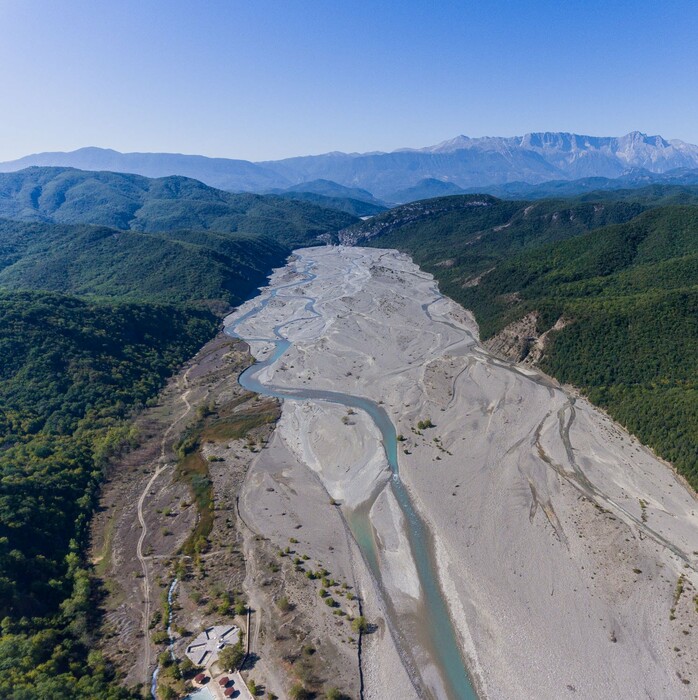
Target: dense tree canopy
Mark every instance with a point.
(150, 260)
(72, 372)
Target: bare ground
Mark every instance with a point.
(561, 542)
(233, 567)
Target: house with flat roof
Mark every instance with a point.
(204, 650)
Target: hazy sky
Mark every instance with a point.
(264, 79)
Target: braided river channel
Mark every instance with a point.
(439, 637)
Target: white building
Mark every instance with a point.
(204, 650)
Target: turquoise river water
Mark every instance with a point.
(437, 625)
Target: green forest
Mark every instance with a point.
(72, 373)
(132, 202)
(205, 267)
(623, 276)
(108, 283)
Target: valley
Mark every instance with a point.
(348, 351)
(385, 502)
(555, 535)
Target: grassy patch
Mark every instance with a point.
(193, 470)
(237, 427)
(219, 425)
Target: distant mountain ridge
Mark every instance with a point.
(632, 180)
(471, 163)
(328, 188)
(332, 195)
(223, 173)
(462, 161)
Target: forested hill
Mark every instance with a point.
(480, 229)
(218, 269)
(621, 279)
(108, 283)
(129, 237)
(123, 201)
(71, 374)
(69, 369)
(355, 207)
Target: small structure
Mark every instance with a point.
(223, 681)
(229, 692)
(199, 677)
(204, 650)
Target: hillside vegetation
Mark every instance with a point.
(72, 372)
(627, 290)
(123, 201)
(349, 205)
(194, 266)
(171, 239)
(107, 284)
(470, 233)
(639, 185)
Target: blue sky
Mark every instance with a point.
(268, 79)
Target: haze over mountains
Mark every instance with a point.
(110, 281)
(462, 162)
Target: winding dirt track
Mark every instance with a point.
(160, 467)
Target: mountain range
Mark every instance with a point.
(462, 162)
(110, 281)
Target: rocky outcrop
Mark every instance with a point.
(520, 341)
(515, 340)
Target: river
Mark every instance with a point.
(436, 624)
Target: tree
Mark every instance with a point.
(230, 658)
(186, 666)
(359, 624)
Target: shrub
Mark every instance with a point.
(335, 694)
(359, 624)
(298, 692)
(160, 637)
(283, 604)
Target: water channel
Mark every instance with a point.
(439, 627)
(170, 645)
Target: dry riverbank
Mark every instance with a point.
(566, 550)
